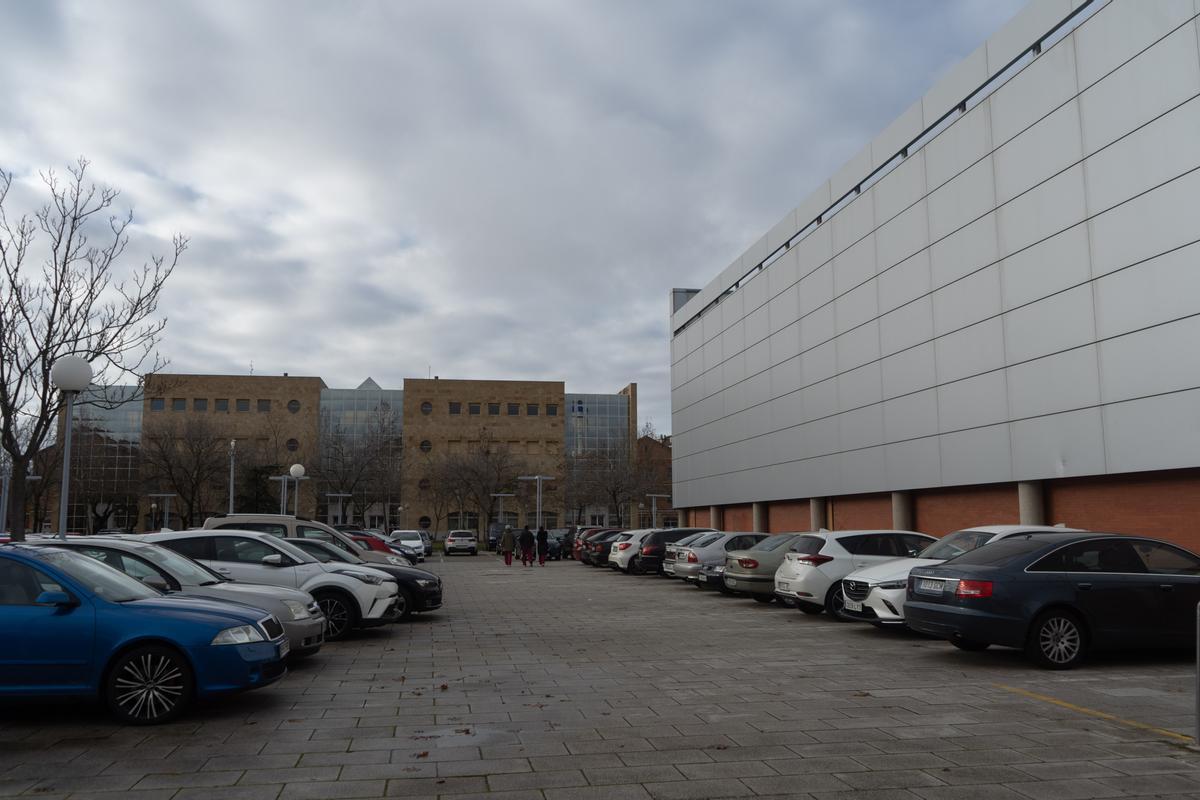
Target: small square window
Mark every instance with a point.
(178, 404)
(531, 409)
(473, 409)
(456, 408)
(264, 406)
(493, 409)
(200, 404)
(221, 405)
(157, 404)
(243, 405)
(551, 409)
(514, 409)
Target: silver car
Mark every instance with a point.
(168, 571)
(673, 549)
(711, 550)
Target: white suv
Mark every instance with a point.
(461, 542)
(625, 548)
(350, 596)
(285, 526)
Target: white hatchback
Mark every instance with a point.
(812, 571)
(461, 542)
(876, 594)
(624, 550)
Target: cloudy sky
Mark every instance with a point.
(503, 189)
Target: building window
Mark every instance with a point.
(221, 405)
(514, 409)
(427, 408)
(424, 484)
(426, 446)
(456, 408)
(157, 404)
(551, 409)
(293, 406)
(473, 409)
(178, 404)
(264, 406)
(293, 445)
(243, 405)
(424, 522)
(200, 404)
(493, 409)
(531, 409)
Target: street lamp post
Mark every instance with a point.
(654, 508)
(283, 491)
(340, 498)
(537, 479)
(297, 473)
(71, 374)
(500, 496)
(154, 516)
(4, 480)
(232, 451)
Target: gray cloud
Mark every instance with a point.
(492, 190)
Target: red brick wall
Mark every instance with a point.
(941, 511)
(738, 518)
(860, 512)
(788, 515)
(1165, 505)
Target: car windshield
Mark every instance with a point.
(295, 552)
(774, 542)
(955, 544)
(182, 568)
(705, 540)
(325, 553)
(104, 581)
(1003, 552)
(688, 539)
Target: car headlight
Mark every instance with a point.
(242, 634)
(893, 585)
(426, 582)
(298, 609)
(365, 577)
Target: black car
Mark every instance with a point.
(654, 547)
(421, 590)
(1056, 596)
(595, 550)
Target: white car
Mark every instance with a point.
(811, 573)
(461, 542)
(411, 539)
(623, 551)
(710, 550)
(349, 596)
(876, 594)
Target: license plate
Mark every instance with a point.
(702, 578)
(730, 582)
(853, 605)
(285, 647)
(929, 586)
(784, 585)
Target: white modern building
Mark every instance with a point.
(990, 314)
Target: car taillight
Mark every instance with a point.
(692, 559)
(647, 550)
(747, 563)
(974, 589)
(624, 546)
(814, 559)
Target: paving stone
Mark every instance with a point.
(627, 792)
(812, 782)
(697, 789)
(1072, 789)
(537, 780)
(327, 790)
(727, 769)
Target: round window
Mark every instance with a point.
(426, 446)
(424, 484)
(424, 522)
(293, 406)
(293, 445)
(427, 408)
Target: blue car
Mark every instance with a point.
(73, 626)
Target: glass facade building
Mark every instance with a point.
(105, 459)
(597, 423)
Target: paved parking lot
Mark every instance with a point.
(569, 683)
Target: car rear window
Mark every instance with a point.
(623, 537)
(807, 545)
(1003, 552)
(774, 542)
(707, 540)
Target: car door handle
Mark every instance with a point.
(1167, 587)
(1083, 586)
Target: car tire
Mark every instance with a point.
(1057, 640)
(149, 685)
(970, 645)
(408, 606)
(341, 613)
(809, 608)
(835, 600)
(764, 598)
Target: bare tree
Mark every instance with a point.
(490, 467)
(189, 458)
(68, 301)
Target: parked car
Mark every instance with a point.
(752, 571)
(876, 594)
(461, 542)
(713, 577)
(374, 541)
(710, 550)
(812, 570)
(72, 626)
(555, 543)
(428, 540)
(289, 527)
(602, 548)
(596, 546)
(411, 539)
(1059, 596)
(669, 554)
(623, 550)
(172, 573)
(349, 596)
(581, 540)
(654, 547)
(419, 589)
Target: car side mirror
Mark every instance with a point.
(54, 599)
(156, 582)
(273, 560)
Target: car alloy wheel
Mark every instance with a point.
(1057, 640)
(339, 616)
(835, 602)
(149, 685)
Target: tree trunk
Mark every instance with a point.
(16, 498)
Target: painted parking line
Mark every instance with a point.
(1091, 712)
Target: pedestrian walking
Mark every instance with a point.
(543, 542)
(525, 540)
(508, 543)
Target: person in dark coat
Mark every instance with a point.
(526, 542)
(543, 542)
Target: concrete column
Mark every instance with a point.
(1030, 502)
(816, 513)
(902, 511)
(714, 517)
(759, 511)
